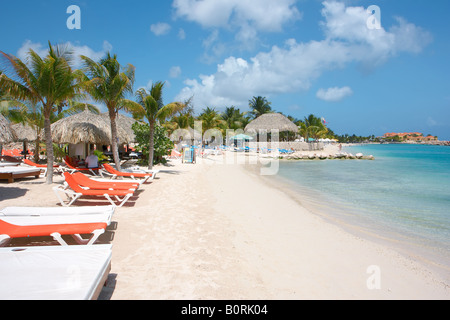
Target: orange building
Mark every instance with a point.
(410, 136)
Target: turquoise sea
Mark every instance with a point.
(403, 196)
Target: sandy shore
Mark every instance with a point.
(217, 231)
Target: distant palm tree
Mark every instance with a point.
(312, 127)
(259, 105)
(108, 82)
(182, 119)
(210, 119)
(154, 110)
(49, 81)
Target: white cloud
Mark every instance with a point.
(334, 94)
(160, 28)
(267, 15)
(294, 66)
(175, 72)
(242, 15)
(77, 50)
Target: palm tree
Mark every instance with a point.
(312, 127)
(108, 82)
(182, 119)
(49, 81)
(259, 105)
(210, 119)
(154, 110)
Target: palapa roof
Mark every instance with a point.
(85, 126)
(7, 134)
(124, 127)
(272, 121)
(24, 132)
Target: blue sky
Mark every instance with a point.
(305, 56)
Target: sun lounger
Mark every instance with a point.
(12, 173)
(85, 181)
(24, 226)
(137, 169)
(73, 191)
(54, 272)
(175, 154)
(106, 212)
(70, 168)
(9, 164)
(113, 173)
(42, 167)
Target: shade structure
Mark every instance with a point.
(24, 132)
(7, 133)
(271, 121)
(124, 127)
(85, 126)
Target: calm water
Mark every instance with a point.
(402, 196)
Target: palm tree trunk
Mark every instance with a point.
(49, 146)
(151, 146)
(114, 143)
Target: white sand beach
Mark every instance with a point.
(217, 231)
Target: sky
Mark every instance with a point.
(367, 72)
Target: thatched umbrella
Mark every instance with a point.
(124, 128)
(7, 134)
(85, 126)
(24, 134)
(272, 121)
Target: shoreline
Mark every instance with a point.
(345, 217)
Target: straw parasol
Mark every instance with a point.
(124, 127)
(85, 126)
(272, 121)
(24, 133)
(7, 134)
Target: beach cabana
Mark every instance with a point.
(271, 121)
(80, 130)
(83, 127)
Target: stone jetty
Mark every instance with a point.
(325, 156)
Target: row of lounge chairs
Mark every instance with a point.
(25, 272)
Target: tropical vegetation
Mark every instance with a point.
(42, 90)
(108, 82)
(153, 110)
(50, 81)
(160, 139)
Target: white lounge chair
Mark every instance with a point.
(54, 272)
(20, 222)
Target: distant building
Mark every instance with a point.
(410, 136)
